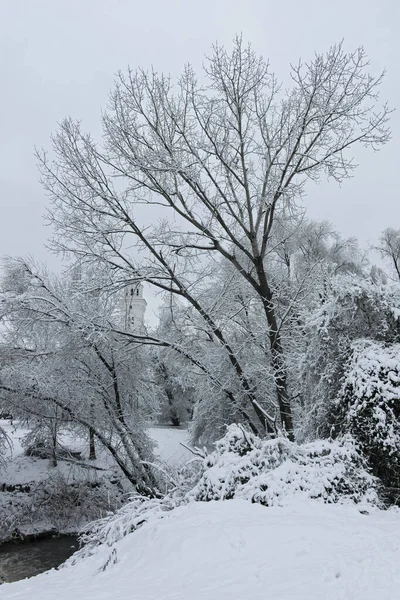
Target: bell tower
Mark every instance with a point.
(135, 308)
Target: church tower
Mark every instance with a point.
(135, 307)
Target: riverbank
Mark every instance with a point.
(38, 499)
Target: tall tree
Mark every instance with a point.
(218, 158)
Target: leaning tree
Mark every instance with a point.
(62, 363)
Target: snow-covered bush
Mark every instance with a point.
(129, 517)
(271, 471)
(369, 408)
(350, 308)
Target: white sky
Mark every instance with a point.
(58, 58)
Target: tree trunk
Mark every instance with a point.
(92, 446)
(53, 458)
(173, 415)
(278, 357)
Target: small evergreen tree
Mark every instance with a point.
(369, 407)
(351, 308)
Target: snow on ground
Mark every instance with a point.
(231, 550)
(21, 469)
(169, 448)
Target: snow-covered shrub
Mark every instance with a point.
(350, 308)
(40, 447)
(72, 504)
(271, 471)
(127, 519)
(369, 408)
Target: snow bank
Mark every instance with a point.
(234, 550)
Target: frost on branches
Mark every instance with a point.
(369, 408)
(272, 472)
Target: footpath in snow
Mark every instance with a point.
(235, 550)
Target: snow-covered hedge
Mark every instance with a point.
(369, 408)
(271, 472)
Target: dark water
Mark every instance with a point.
(18, 561)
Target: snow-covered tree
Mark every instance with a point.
(174, 384)
(352, 308)
(368, 406)
(61, 360)
(219, 158)
(5, 445)
(389, 248)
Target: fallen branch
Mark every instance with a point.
(195, 451)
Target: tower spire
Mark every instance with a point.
(135, 308)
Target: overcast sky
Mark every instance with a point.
(58, 58)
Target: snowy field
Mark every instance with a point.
(235, 550)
